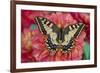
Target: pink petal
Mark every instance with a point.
(58, 55)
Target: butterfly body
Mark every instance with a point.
(58, 38)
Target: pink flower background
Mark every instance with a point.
(33, 42)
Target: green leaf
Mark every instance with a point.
(86, 51)
(32, 27)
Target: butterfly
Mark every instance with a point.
(59, 38)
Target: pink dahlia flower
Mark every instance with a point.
(33, 42)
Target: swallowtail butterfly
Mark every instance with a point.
(58, 38)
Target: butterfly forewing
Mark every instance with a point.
(71, 32)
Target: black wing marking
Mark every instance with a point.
(50, 45)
